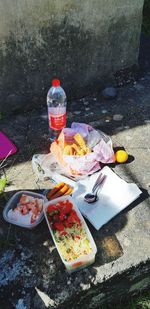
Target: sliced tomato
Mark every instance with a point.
(64, 206)
(62, 216)
(52, 208)
(67, 207)
(73, 217)
(58, 226)
(55, 218)
(68, 224)
(77, 237)
(64, 233)
(50, 218)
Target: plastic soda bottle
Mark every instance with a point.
(56, 103)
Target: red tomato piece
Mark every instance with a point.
(64, 233)
(55, 218)
(73, 217)
(70, 219)
(77, 237)
(51, 208)
(62, 216)
(67, 224)
(50, 218)
(67, 207)
(58, 226)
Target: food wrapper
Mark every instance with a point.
(74, 166)
(98, 142)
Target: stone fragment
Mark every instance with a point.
(104, 111)
(77, 112)
(109, 93)
(117, 117)
(138, 87)
(108, 119)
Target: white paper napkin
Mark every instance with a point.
(114, 195)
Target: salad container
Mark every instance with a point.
(84, 259)
(14, 201)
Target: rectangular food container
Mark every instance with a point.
(85, 260)
(13, 201)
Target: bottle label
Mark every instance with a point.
(57, 122)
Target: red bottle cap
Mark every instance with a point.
(55, 82)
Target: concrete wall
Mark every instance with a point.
(83, 42)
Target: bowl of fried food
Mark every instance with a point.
(79, 150)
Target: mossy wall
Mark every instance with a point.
(81, 42)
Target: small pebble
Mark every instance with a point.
(109, 93)
(77, 112)
(118, 117)
(104, 111)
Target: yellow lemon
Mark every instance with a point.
(121, 156)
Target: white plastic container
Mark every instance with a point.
(85, 260)
(14, 201)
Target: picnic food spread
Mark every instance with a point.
(77, 152)
(27, 210)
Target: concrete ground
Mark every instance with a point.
(31, 272)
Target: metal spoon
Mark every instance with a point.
(92, 197)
